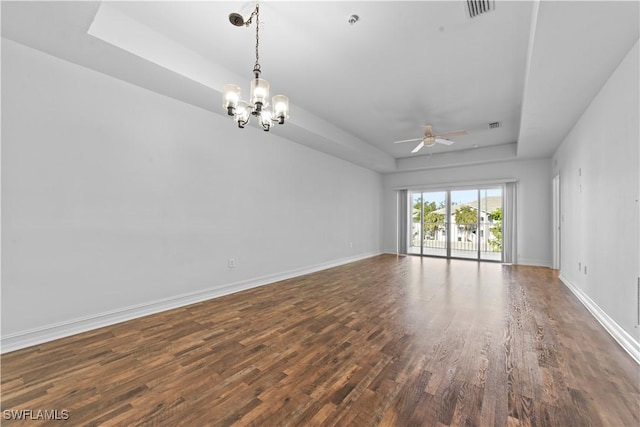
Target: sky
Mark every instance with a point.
(457, 196)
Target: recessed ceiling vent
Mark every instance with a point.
(478, 7)
(494, 125)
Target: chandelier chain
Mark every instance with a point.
(257, 66)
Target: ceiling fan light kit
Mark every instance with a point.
(241, 110)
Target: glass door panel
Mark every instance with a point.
(434, 230)
(463, 227)
(491, 224)
(415, 219)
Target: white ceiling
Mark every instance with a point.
(354, 89)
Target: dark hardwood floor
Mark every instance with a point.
(389, 341)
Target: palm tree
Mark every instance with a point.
(466, 217)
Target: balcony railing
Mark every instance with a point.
(464, 240)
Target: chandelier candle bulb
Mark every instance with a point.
(259, 93)
(231, 98)
(280, 108)
(265, 120)
(242, 114)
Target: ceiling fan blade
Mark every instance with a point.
(452, 133)
(418, 147)
(407, 140)
(444, 141)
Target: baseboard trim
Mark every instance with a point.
(534, 262)
(626, 341)
(28, 338)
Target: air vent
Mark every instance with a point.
(478, 7)
(494, 125)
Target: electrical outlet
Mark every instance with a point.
(232, 262)
(579, 266)
(585, 269)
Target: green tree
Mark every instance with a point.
(496, 215)
(496, 230)
(428, 207)
(432, 221)
(416, 211)
(466, 217)
(430, 218)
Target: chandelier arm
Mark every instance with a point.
(243, 123)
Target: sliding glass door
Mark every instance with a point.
(457, 223)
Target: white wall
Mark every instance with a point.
(533, 209)
(116, 198)
(600, 213)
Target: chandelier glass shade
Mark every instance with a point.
(258, 103)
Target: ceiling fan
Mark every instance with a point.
(430, 139)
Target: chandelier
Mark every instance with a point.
(240, 110)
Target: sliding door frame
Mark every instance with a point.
(448, 223)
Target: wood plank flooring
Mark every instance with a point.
(389, 341)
